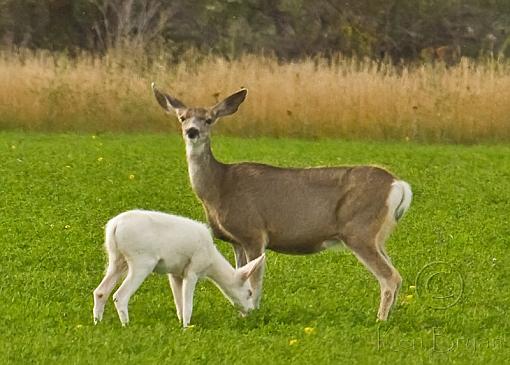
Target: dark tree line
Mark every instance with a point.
(397, 29)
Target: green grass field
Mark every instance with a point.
(59, 190)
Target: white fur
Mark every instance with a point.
(180, 247)
(398, 202)
(399, 198)
(192, 152)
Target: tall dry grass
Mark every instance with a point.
(342, 98)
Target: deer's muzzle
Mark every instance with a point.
(192, 133)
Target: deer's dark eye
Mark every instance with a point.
(250, 293)
(208, 120)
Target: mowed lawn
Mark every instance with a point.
(57, 192)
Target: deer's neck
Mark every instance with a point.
(220, 271)
(204, 170)
(222, 274)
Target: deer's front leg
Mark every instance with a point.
(176, 285)
(188, 288)
(240, 256)
(257, 277)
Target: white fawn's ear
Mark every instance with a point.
(230, 104)
(247, 270)
(170, 104)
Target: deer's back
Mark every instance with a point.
(173, 240)
(295, 207)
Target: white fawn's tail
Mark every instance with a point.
(114, 256)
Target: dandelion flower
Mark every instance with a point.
(408, 299)
(67, 226)
(293, 342)
(309, 330)
(131, 177)
(100, 159)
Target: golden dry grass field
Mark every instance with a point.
(339, 98)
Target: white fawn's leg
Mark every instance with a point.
(176, 285)
(138, 271)
(116, 267)
(188, 288)
(388, 277)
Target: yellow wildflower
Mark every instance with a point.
(309, 330)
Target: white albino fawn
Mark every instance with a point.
(289, 210)
(148, 241)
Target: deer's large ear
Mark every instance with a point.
(230, 104)
(170, 104)
(247, 270)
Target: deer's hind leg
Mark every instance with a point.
(138, 270)
(383, 234)
(116, 267)
(370, 251)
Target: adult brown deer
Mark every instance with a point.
(289, 210)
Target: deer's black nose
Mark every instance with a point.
(192, 132)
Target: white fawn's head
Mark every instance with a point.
(240, 293)
(196, 123)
